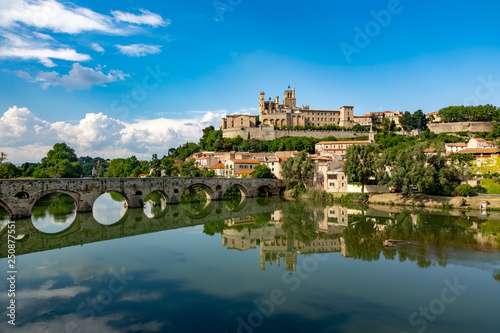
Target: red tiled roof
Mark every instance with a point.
(477, 151)
(218, 166)
(456, 144)
(246, 172)
(244, 161)
(342, 142)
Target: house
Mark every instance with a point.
(364, 120)
(435, 117)
(480, 152)
(329, 148)
(219, 169)
(455, 147)
(232, 166)
(479, 143)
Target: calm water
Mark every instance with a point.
(256, 266)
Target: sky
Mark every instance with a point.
(121, 78)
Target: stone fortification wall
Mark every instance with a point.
(461, 127)
(269, 133)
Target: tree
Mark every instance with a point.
(262, 171)
(61, 161)
(3, 157)
(359, 164)
(298, 170)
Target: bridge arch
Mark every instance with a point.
(74, 195)
(149, 210)
(243, 190)
(7, 208)
(211, 194)
(264, 191)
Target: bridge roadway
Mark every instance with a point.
(85, 229)
(19, 196)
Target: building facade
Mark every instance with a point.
(272, 113)
(238, 121)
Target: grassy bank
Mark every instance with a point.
(398, 199)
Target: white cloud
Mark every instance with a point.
(46, 292)
(138, 50)
(38, 47)
(96, 47)
(25, 137)
(80, 77)
(145, 18)
(52, 15)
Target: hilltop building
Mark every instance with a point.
(272, 113)
(288, 114)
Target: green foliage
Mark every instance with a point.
(262, 171)
(480, 189)
(359, 164)
(210, 136)
(297, 170)
(431, 174)
(298, 190)
(129, 167)
(61, 162)
(232, 192)
(452, 114)
(413, 121)
(463, 190)
(353, 197)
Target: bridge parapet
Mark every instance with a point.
(19, 196)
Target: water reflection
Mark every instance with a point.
(218, 259)
(155, 204)
(109, 208)
(53, 213)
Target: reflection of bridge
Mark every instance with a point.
(85, 229)
(19, 196)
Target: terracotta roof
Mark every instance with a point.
(244, 161)
(246, 172)
(218, 166)
(364, 116)
(456, 144)
(478, 139)
(342, 142)
(430, 150)
(477, 151)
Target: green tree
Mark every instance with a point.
(298, 170)
(262, 171)
(359, 164)
(61, 161)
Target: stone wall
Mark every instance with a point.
(461, 127)
(269, 133)
(368, 189)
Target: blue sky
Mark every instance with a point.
(81, 72)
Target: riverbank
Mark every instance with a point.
(413, 200)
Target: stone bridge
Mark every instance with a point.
(85, 229)
(19, 196)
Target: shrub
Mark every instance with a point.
(463, 190)
(479, 189)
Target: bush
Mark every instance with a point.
(479, 189)
(463, 190)
(297, 190)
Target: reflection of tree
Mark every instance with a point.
(116, 196)
(427, 233)
(214, 228)
(298, 222)
(58, 205)
(194, 194)
(157, 202)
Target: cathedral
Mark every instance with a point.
(272, 113)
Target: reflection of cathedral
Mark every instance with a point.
(272, 113)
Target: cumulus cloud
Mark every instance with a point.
(146, 17)
(96, 47)
(25, 137)
(80, 77)
(46, 292)
(138, 50)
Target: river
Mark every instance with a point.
(257, 265)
